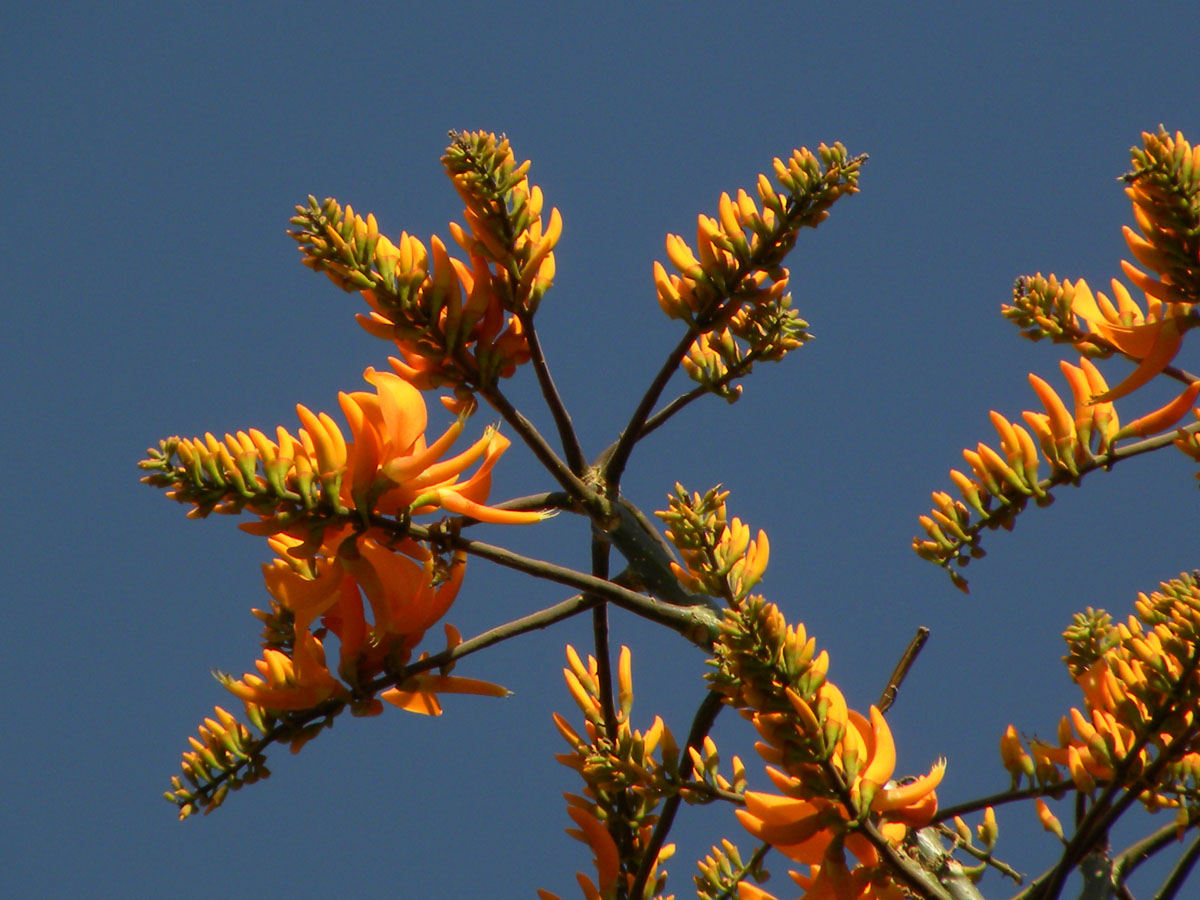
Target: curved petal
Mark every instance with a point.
(883, 756)
(911, 793)
(403, 408)
(1168, 338)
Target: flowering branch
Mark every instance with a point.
(343, 509)
(251, 754)
(1107, 807)
(735, 279)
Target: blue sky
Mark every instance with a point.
(155, 154)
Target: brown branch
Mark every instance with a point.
(702, 723)
(576, 461)
(1128, 860)
(545, 454)
(696, 623)
(888, 697)
(614, 459)
(660, 418)
(1180, 871)
(600, 549)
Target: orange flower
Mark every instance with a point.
(1152, 339)
(391, 467)
(406, 597)
(288, 683)
(802, 826)
(419, 693)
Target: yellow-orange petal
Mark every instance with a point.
(913, 792)
(883, 751)
(1165, 417)
(772, 809)
(1048, 819)
(454, 684)
(1167, 339)
(402, 408)
(456, 503)
(608, 858)
(420, 702)
(1062, 423)
(748, 891)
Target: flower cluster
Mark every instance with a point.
(1164, 187)
(832, 766)
(1137, 729)
(1004, 480)
(316, 479)
(504, 218)
(324, 502)
(225, 746)
(1072, 439)
(454, 323)
(732, 289)
(719, 558)
(294, 693)
(624, 781)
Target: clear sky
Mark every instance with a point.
(154, 154)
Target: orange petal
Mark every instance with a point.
(402, 406)
(413, 701)
(1168, 338)
(453, 684)
(456, 503)
(908, 794)
(1164, 417)
(1062, 423)
(608, 858)
(883, 755)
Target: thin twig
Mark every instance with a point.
(543, 451)
(660, 418)
(888, 697)
(562, 419)
(615, 458)
(1179, 872)
(696, 623)
(1054, 789)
